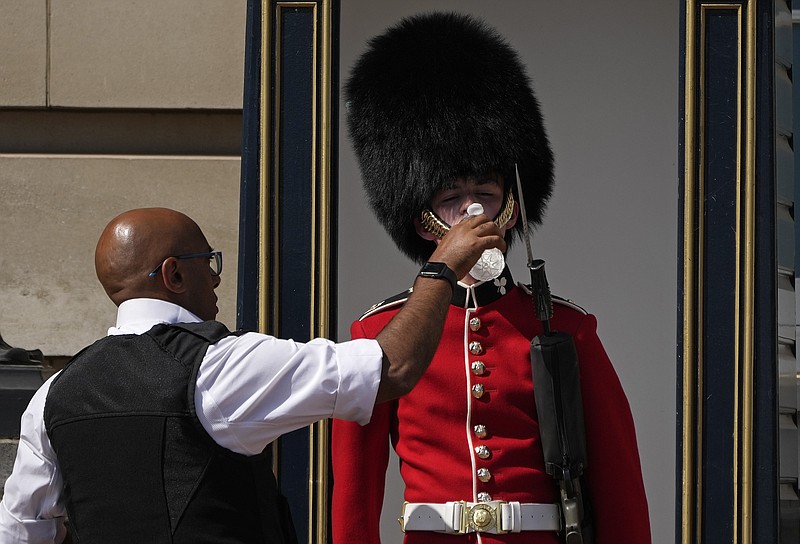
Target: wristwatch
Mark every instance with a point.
(438, 271)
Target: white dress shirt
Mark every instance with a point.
(250, 390)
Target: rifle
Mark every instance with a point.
(556, 387)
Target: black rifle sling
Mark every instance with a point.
(557, 392)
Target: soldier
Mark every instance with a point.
(440, 111)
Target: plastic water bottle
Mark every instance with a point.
(492, 262)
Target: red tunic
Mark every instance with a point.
(432, 428)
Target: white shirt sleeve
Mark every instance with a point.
(253, 388)
(32, 510)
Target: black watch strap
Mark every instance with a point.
(438, 271)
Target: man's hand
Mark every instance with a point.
(463, 245)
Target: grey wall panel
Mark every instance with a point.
(23, 53)
(146, 54)
(53, 210)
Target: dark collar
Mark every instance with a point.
(483, 293)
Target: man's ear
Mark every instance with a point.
(172, 275)
(424, 234)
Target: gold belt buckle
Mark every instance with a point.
(483, 517)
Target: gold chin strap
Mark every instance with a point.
(434, 224)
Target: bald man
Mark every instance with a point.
(157, 432)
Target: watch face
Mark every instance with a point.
(433, 269)
(438, 271)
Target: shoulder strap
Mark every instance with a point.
(210, 331)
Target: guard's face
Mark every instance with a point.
(451, 204)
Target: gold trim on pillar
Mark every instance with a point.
(693, 258)
(746, 391)
(265, 139)
(319, 483)
(690, 483)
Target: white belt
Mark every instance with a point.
(496, 517)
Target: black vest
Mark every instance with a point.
(138, 466)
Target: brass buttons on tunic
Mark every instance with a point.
(478, 368)
(474, 324)
(484, 497)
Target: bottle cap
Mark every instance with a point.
(475, 209)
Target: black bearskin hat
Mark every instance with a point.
(436, 97)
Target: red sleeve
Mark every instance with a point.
(614, 473)
(360, 457)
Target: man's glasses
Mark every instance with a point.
(214, 262)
